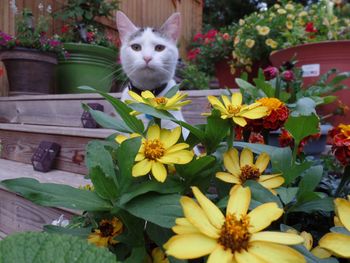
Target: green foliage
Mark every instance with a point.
(34, 247)
(193, 78)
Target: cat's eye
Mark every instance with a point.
(159, 48)
(136, 47)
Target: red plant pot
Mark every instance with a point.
(315, 60)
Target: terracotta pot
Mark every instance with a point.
(316, 59)
(29, 71)
(226, 79)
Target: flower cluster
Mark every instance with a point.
(287, 24)
(340, 136)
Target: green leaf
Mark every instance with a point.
(138, 254)
(311, 178)
(107, 121)
(304, 107)
(248, 88)
(193, 168)
(325, 204)
(97, 155)
(56, 195)
(132, 122)
(172, 91)
(302, 126)
(292, 172)
(126, 154)
(170, 186)
(339, 78)
(193, 129)
(79, 232)
(104, 185)
(266, 87)
(161, 210)
(36, 247)
(341, 230)
(146, 109)
(287, 195)
(262, 195)
(215, 130)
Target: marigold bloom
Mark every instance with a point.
(289, 25)
(234, 109)
(337, 243)
(160, 103)
(271, 43)
(236, 237)
(341, 143)
(250, 43)
(106, 232)
(242, 168)
(159, 148)
(277, 115)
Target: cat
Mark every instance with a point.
(149, 57)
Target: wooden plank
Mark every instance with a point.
(20, 146)
(2, 235)
(66, 110)
(18, 214)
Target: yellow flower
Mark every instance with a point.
(236, 237)
(303, 13)
(263, 30)
(276, 6)
(289, 25)
(345, 129)
(241, 22)
(337, 243)
(106, 232)
(159, 103)
(88, 187)
(270, 103)
(242, 169)
(250, 43)
(234, 109)
(281, 11)
(289, 7)
(290, 16)
(271, 43)
(159, 148)
(159, 256)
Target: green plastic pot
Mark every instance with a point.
(86, 65)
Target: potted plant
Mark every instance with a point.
(92, 57)
(30, 56)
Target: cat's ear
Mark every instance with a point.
(172, 27)
(125, 26)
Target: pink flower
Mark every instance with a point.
(54, 42)
(270, 72)
(197, 37)
(192, 54)
(211, 33)
(226, 36)
(288, 75)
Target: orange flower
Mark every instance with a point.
(106, 232)
(341, 143)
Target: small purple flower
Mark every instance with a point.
(54, 43)
(66, 55)
(288, 75)
(270, 72)
(5, 38)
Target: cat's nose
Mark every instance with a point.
(147, 59)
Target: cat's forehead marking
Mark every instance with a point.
(142, 30)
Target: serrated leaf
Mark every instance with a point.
(38, 247)
(302, 126)
(161, 210)
(56, 195)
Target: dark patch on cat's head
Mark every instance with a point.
(139, 33)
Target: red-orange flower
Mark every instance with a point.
(340, 136)
(286, 139)
(276, 117)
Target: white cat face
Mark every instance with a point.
(149, 56)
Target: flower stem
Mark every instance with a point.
(278, 87)
(231, 137)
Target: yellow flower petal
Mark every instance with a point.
(190, 246)
(228, 178)
(216, 103)
(246, 157)
(321, 252)
(245, 257)
(178, 229)
(343, 211)
(240, 121)
(220, 255)
(226, 101)
(265, 177)
(153, 132)
(231, 161)
(275, 253)
(182, 221)
(179, 157)
(147, 94)
(308, 240)
(159, 172)
(169, 138)
(197, 217)
(277, 237)
(262, 162)
(135, 96)
(263, 215)
(273, 182)
(141, 168)
(177, 147)
(338, 244)
(237, 98)
(255, 113)
(213, 213)
(239, 201)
